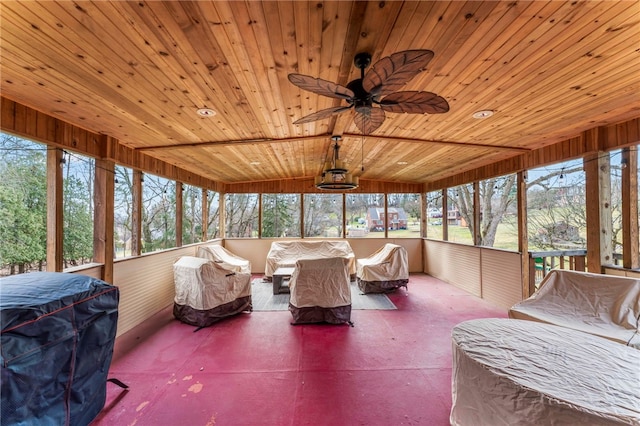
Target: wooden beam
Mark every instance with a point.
(423, 216)
(598, 210)
(445, 215)
(344, 216)
(256, 141)
(439, 142)
(477, 210)
(205, 214)
(103, 198)
(630, 239)
(223, 216)
(136, 214)
(528, 286)
(179, 214)
(55, 209)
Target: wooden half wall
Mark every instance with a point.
(255, 250)
(491, 274)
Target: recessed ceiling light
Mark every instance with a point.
(206, 112)
(402, 163)
(483, 114)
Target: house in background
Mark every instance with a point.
(396, 218)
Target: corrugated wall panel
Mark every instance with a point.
(456, 264)
(501, 277)
(146, 285)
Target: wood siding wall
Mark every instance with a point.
(146, 285)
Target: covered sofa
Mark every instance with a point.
(320, 291)
(57, 339)
(206, 292)
(604, 305)
(224, 257)
(285, 254)
(383, 271)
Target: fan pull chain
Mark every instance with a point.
(362, 147)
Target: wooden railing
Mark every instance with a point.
(541, 262)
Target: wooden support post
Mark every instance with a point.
(528, 279)
(477, 236)
(55, 209)
(598, 201)
(103, 232)
(630, 240)
(445, 215)
(223, 216)
(423, 215)
(386, 215)
(179, 214)
(301, 205)
(136, 213)
(205, 214)
(344, 216)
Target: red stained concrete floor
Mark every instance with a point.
(392, 368)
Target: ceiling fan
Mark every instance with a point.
(378, 87)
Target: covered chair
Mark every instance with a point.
(320, 291)
(225, 258)
(384, 271)
(206, 292)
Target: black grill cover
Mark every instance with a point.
(57, 338)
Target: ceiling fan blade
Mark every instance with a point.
(321, 87)
(390, 73)
(322, 114)
(414, 103)
(368, 119)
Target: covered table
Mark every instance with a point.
(508, 372)
(58, 333)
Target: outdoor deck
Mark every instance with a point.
(392, 368)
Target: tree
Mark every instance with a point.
(278, 215)
(322, 212)
(158, 214)
(22, 204)
(241, 215)
(78, 223)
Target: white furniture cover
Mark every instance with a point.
(513, 372)
(605, 305)
(206, 292)
(224, 257)
(383, 271)
(320, 291)
(287, 253)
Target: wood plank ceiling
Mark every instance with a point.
(138, 71)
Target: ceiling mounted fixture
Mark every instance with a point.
(334, 174)
(206, 112)
(378, 87)
(483, 114)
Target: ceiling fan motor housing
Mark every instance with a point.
(362, 99)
